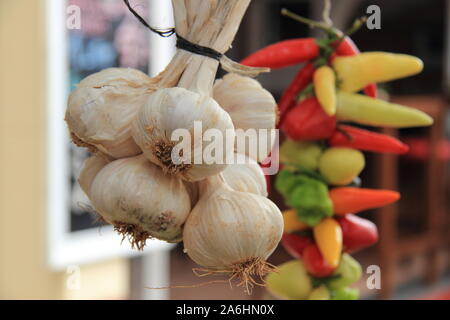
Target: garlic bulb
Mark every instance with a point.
(245, 175)
(250, 106)
(169, 111)
(91, 167)
(233, 232)
(101, 108)
(192, 189)
(140, 201)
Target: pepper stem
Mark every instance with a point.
(311, 23)
(357, 24)
(326, 14)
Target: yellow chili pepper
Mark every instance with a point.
(320, 293)
(325, 89)
(339, 166)
(374, 112)
(328, 236)
(291, 221)
(355, 72)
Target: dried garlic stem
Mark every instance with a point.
(217, 32)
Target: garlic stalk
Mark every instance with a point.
(232, 232)
(101, 108)
(245, 175)
(252, 107)
(212, 24)
(130, 194)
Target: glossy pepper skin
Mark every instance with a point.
(353, 200)
(348, 48)
(291, 281)
(288, 99)
(345, 293)
(320, 293)
(373, 112)
(325, 89)
(349, 271)
(284, 54)
(295, 244)
(340, 166)
(355, 72)
(315, 263)
(328, 236)
(307, 195)
(308, 121)
(291, 221)
(356, 138)
(357, 233)
(305, 154)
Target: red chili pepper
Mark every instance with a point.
(308, 121)
(295, 244)
(351, 137)
(371, 90)
(301, 80)
(315, 263)
(348, 48)
(283, 54)
(357, 233)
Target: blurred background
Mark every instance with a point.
(51, 247)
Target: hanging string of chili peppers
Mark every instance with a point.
(322, 158)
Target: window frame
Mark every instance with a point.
(64, 247)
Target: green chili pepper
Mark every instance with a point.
(307, 195)
(305, 154)
(344, 294)
(349, 270)
(285, 182)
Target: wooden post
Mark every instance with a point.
(435, 193)
(386, 168)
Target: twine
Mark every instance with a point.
(226, 63)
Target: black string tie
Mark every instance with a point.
(184, 44)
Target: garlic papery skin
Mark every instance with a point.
(193, 191)
(245, 175)
(140, 201)
(250, 106)
(91, 167)
(233, 232)
(171, 111)
(100, 110)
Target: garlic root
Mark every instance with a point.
(232, 232)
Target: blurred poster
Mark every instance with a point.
(109, 36)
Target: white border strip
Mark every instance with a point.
(161, 16)
(64, 247)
